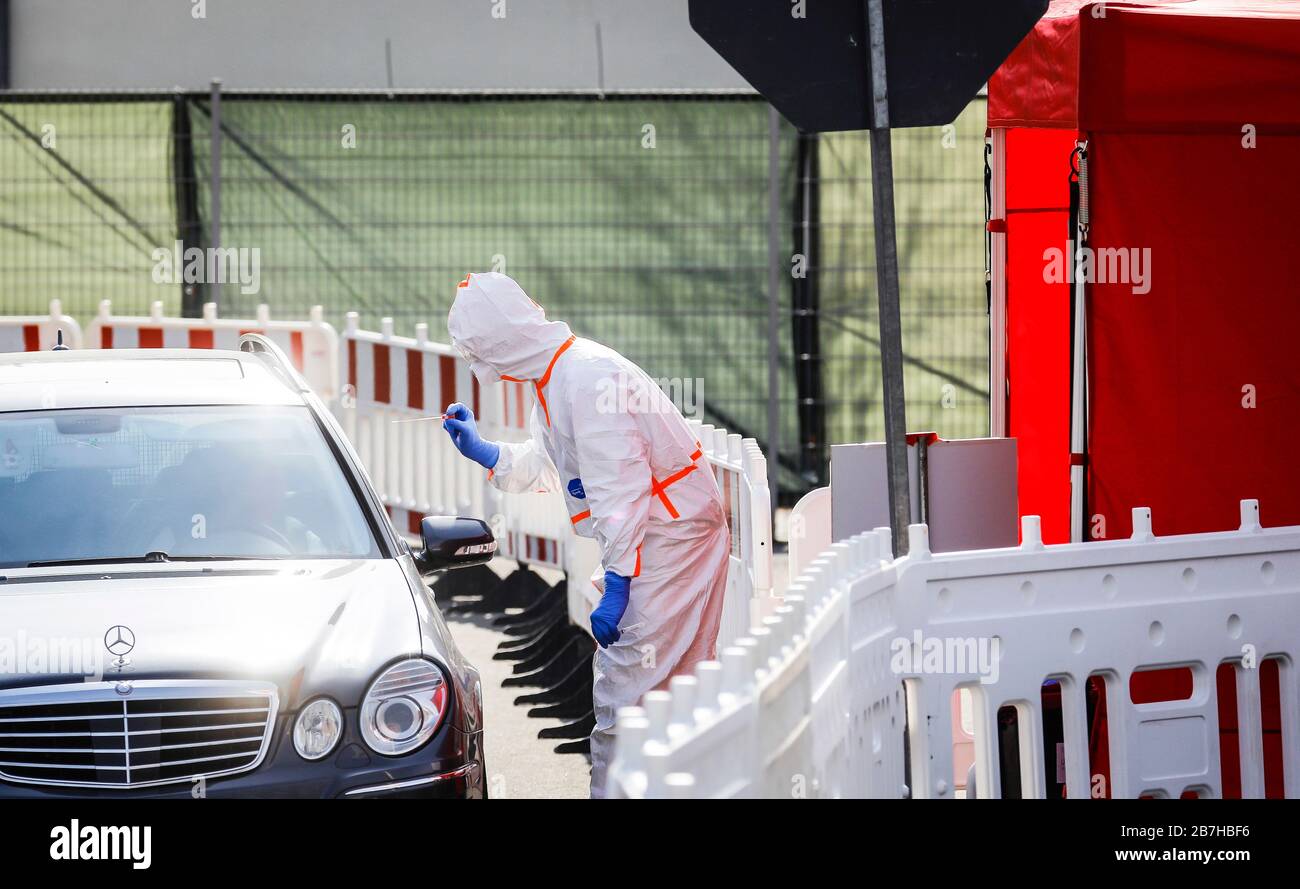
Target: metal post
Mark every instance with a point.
(805, 339)
(6, 47)
(214, 195)
(189, 225)
(774, 266)
(891, 328)
(1078, 358)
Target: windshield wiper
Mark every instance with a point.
(149, 557)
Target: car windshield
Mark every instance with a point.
(176, 483)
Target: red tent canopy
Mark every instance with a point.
(1191, 112)
(1154, 66)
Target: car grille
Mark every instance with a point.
(164, 731)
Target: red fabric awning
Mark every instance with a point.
(1154, 66)
(1193, 388)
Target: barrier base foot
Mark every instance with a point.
(472, 581)
(547, 648)
(583, 747)
(571, 707)
(519, 589)
(580, 728)
(558, 608)
(576, 650)
(523, 647)
(540, 608)
(578, 677)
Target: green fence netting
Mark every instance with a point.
(643, 220)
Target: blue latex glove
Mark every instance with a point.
(463, 430)
(604, 620)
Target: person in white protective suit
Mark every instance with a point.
(632, 475)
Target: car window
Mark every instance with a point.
(222, 481)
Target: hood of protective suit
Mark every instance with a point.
(500, 330)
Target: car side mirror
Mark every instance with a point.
(454, 542)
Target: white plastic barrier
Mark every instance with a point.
(39, 333)
(815, 701)
(741, 470)
(809, 530)
(312, 345)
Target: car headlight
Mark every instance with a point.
(404, 707)
(317, 729)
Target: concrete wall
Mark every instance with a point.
(333, 44)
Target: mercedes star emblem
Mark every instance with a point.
(119, 641)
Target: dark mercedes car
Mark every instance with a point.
(202, 595)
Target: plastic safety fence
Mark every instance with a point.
(394, 390)
(853, 687)
(641, 219)
(312, 345)
(37, 333)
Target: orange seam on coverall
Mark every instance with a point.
(546, 377)
(657, 489)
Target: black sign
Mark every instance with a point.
(811, 59)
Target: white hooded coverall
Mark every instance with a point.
(633, 478)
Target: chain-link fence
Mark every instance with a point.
(641, 219)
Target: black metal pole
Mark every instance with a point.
(189, 225)
(774, 268)
(891, 327)
(6, 54)
(214, 189)
(805, 327)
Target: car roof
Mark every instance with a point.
(129, 377)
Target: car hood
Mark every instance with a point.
(311, 627)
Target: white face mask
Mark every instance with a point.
(483, 371)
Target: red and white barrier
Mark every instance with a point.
(312, 345)
(39, 333)
(393, 391)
